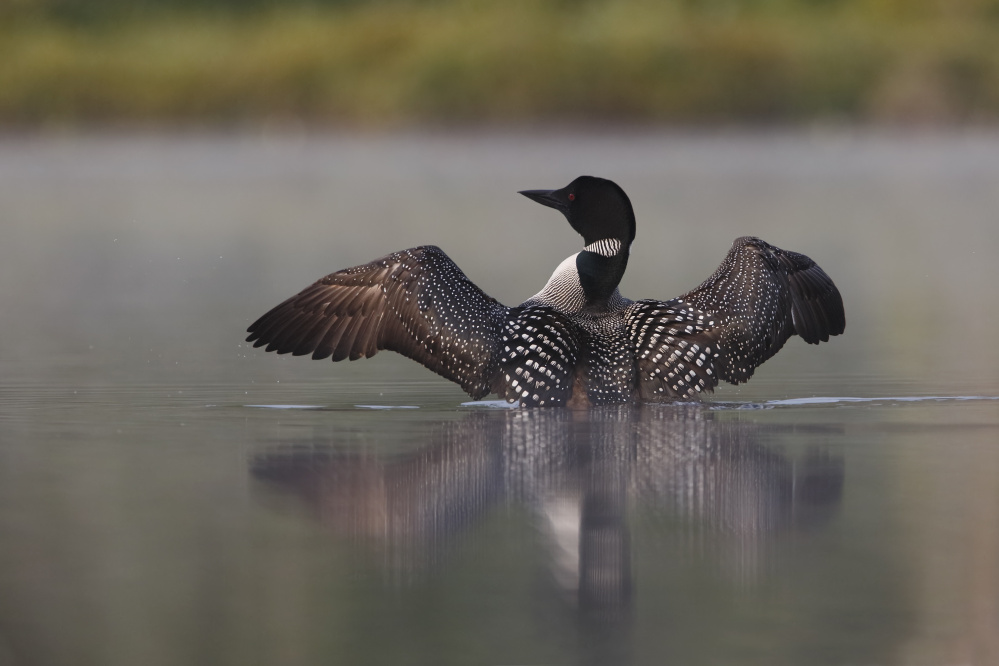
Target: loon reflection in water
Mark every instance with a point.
(582, 474)
(578, 342)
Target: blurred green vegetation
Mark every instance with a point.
(394, 62)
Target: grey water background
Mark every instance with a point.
(169, 495)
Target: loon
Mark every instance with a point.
(578, 342)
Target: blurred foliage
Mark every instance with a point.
(392, 62)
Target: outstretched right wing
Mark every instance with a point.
(738, 318)
(416, 302)
(771, 294)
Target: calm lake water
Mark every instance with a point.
(170, 496)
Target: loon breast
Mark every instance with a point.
(563, 291)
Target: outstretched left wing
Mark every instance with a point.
(416, 302)
(738, 318)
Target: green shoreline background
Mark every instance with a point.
(405, 62)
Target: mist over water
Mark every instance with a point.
(842, 507)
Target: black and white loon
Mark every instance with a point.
(577, 342)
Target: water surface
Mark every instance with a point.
(168, 495)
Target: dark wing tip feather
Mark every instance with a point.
(817, 305)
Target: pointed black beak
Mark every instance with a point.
(551, 198)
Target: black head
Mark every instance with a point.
(596, 208)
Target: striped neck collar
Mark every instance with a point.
(606, 247)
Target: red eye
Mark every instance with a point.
(572, 197)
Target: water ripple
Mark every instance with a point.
(840, 400)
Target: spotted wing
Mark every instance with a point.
(676, 349)
(416, 302)
(538, 357)
(738, 318)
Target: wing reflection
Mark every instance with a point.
(585, 475)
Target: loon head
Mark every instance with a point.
(597, 208)
(600, 211)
